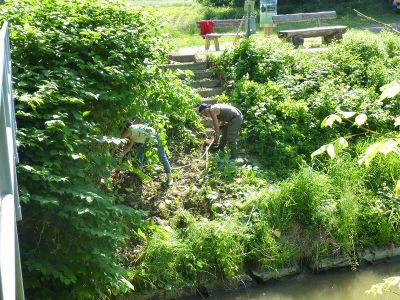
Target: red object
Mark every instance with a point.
(206, 26)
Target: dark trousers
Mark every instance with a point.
(229, 135)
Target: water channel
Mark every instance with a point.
(332, 285)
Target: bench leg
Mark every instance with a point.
(329, 38)
(207, 43)
(216, 43)
(297, 41)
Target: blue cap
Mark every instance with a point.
(202, 107)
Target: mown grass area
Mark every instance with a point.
(177, 18)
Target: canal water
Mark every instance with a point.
(332, 285)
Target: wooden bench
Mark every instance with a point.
(297, 36)
(232, 23)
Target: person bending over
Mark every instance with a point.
(227, 117)
(142, 136)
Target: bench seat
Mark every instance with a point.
(213, 35)
(328, 33)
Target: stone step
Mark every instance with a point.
(182, 58)
(210, 100)
(205, 83)
(209, 92)
(187, 66)
(201, 74)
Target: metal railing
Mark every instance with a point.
(11, 285)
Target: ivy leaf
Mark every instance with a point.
(108, 139)
(370, 153)
(397, 121)
(86, 211)
(330, 149)
(348, 114)
(397, 188)
(360, 120)
(384, 147)
(390, 90)
(342, 143)
(330, 120)
(73, 100)
(54, 124)
(45, 200)
(389, 146)
(92, 95)
(127, 283)
(321, 150)
(78, 156)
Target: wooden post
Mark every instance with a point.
(268, 30)
(249, 3)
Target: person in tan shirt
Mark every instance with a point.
(227, 117)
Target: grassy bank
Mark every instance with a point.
(276, 207)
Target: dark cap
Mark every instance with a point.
(202, 107)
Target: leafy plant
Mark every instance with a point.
(385, 146)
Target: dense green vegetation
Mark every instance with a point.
(300, 211)
(94, 227)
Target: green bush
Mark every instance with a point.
(286, 94)
(360, 60)
(264, 248)
(207, 251)
(302, 195)
(165, 264)
(82, 69)
(256, 61)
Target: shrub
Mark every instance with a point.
(285, 94)
(208, 251)
(257, 61)
(165, 261)
(264, 248)
(218, 248)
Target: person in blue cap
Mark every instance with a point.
(226, 118)
(142, 136)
